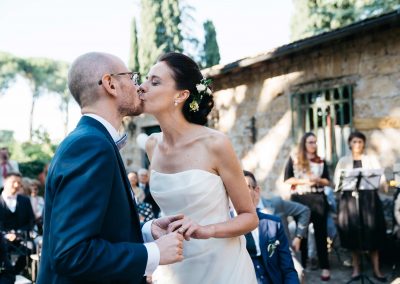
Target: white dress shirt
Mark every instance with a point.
(153, 252)
(11, 201)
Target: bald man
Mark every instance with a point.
(92, 232)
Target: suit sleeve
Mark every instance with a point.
(285, 258)
(81, 184)
(300, 213)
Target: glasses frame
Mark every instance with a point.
(134, 76)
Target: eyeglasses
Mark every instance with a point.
(134, 76)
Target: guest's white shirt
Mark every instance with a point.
(11, 201)
(256, 237)
(153, 252)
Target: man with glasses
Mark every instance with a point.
(92, 231)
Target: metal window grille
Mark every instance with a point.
(329, 114)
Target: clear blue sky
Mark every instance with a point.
(63, 29)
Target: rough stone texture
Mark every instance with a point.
(368, 61)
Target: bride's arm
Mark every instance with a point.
(229, 169)
(227, 165)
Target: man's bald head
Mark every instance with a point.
(86, 71)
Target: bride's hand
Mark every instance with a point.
(190, 229)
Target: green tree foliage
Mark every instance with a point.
(151, 29)
(171, 14)
(38, 72)
(134, 48)
(8, 70)
(43, 76)
(160, 31)
(317, 16)
(210, 54)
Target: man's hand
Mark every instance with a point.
(296, 244)
(159, 226)
(171, 248)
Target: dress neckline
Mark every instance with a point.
(187, 171)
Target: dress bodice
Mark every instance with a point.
(199, 194)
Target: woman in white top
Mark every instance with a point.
(374, 229)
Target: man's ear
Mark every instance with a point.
(109, 84)
(182, 96)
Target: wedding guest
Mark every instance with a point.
(373, 235)
(37, 201)
(16, 216)
(268, 245)
(138, 191)
(6, 165)
(281, 208)
(144, 178)
(145, 210)
(307, 174)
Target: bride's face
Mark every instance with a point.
(158, 90)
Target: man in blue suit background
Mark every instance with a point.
(92, 232)
(268, 245)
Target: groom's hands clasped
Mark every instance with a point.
(170, 244)
(171, 248)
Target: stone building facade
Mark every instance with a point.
(330, 84)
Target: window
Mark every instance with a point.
(329, 114)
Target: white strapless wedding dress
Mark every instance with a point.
(201, 196)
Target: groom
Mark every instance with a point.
(91, 228)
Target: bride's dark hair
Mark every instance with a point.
(186, 74)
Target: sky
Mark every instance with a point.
(65, 29)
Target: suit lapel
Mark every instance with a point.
(93, 122)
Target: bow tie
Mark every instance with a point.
(122, 141)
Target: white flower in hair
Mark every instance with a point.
(200, 87)
(208, 91)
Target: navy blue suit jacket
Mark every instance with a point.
(279, 266)
(92, 232)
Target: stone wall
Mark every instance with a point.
(368, 61)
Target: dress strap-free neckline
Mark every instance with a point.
(186, 171)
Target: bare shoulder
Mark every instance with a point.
(217, 141)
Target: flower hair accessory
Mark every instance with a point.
(203, 89)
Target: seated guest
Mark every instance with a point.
(145, 210)
(144, 178)
(282, 208)
(16, 216)
(268, 247)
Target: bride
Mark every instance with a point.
(195, 171)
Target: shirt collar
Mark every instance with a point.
(113, 132)
(3, 194)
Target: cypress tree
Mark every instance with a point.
(211, 54)
(134, 49)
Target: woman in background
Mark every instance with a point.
(307, 174)
(374, 229)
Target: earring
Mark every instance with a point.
(176, 103)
